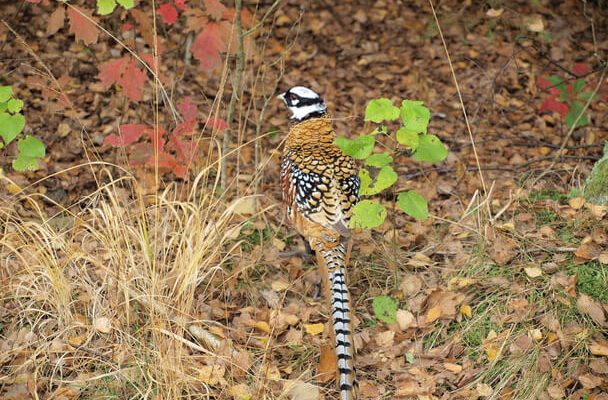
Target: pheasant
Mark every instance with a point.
(320, 186)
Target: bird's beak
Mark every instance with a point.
(281, 96)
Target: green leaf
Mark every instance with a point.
(587, 96)
(575, 110)
(367, 214)
(31, 147)
(409, 357)
(31, 150)
(554, 79)
(25, 163)
(578, 85)
(430, 149)
(359, 148)
(105, 7)
(408, 138)
(379, 160)
(413, 204)
(385, 179)
(11, 126)
(379, 110)
(415, 116)
(6, 92)
(385, 309)
(14, 105)
(128, 4)
(3, 106)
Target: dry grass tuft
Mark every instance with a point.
(102, 296)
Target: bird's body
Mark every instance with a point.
(320, 186)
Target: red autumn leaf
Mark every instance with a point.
(216, 123)
(129, 133)
(187, 109)
(167, 13)
(208, 45)
(552, 104)
(156, 135)
(111, 71)
(546, 84)
(181, 4)
(214, 8)
(162, 160)
(179, 170)
(580, 69)
(127, 26)
(185, 149)
(140, 153)
(55, 21)
(185, 128)
(132, 81)
(246, 17)
(82, 25)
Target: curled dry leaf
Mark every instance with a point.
(314, 329)
(303, 391)
(433, 314)
(590, 381)
(494, 13)
(103, 325)
(240, 392)
(455, 368)
(466, 310)
(484, 390)
(587, 305)
(599, 366)
(279, 285)
(576, 202)
(503, 249)
(599, 347)
(385, 339)
(368, 390)
(410, 285)
(535, 23)
(533, 272)
(405, 319)
(589, 250)
(326, 369)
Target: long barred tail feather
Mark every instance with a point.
(341, 315)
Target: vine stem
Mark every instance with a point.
(240, 67)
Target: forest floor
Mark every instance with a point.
(120, 282)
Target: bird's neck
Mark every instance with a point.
(312, 130)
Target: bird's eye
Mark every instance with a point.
(293, 97)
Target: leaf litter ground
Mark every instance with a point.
(513, 306)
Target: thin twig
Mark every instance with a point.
(464, 111)
(240, 67)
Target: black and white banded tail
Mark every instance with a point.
(341, 316)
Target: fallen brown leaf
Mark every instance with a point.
(405, 319)
(599, 347)
(590, 381)
(326, 369)
(587, 305)
(503, 249)
(588, 250)
(303, 391)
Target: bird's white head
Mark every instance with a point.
(303, 103)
